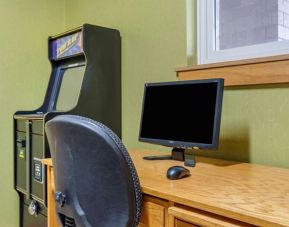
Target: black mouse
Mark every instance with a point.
(177, 172)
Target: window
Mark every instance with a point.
(241, 29)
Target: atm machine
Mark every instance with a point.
(85, 80)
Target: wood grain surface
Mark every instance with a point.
(202, 218)
(249, 193)
(239, 73)
(254, 194)
(153, 214)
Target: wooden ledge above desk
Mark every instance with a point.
(256, 71)
(218, 193)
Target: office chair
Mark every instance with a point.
(96, 183)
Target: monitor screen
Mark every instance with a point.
(182, 114)
(70, 86)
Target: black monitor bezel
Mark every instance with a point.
(185, 144)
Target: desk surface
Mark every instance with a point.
(250, 193)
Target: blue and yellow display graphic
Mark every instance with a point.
(67, 46)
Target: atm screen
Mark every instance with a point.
(70, 88)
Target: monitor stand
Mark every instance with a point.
(178, 154)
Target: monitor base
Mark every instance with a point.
(178, 154)
(190, 158)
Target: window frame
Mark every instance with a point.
(206, 40)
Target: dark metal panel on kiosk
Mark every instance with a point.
(29, 220)
(107, 92)
(99, 98)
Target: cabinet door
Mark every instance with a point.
(154, 213)
(36, 167)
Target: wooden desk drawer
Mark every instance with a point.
(189, 217)
(153, 213)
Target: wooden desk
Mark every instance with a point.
(218, 193)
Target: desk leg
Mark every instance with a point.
(171, 221)
(51, 213)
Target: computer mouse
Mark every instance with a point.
(177, 172)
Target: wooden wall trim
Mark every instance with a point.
(269, 70)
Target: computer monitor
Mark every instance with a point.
(183, 115)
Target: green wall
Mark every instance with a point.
(153, 45)
(24, 71)
(255, 126)
(255, 120)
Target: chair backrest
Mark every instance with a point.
(96, 183)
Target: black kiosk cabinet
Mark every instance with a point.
(85, 80)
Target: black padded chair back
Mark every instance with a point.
(96, 183)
